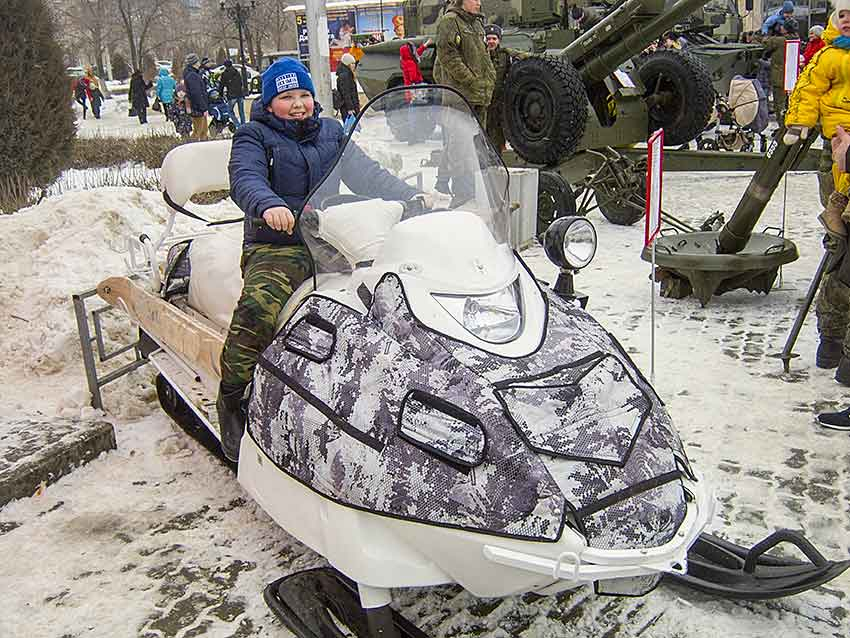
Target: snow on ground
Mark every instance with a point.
(158, 539)
(114, 121)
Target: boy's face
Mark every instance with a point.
(492, 41)
(295, 104)
(844, 22)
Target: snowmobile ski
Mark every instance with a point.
(718, 567)
(322, 603)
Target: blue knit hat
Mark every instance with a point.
(787, 6)
(283, 75)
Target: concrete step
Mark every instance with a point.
(36, 451)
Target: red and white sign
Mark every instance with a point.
(792, 64)
(655, 160)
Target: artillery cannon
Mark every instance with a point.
(713, 262)
(574, 112)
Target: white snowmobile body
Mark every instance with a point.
(428, 413)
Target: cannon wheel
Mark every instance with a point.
(622, 211)
(555, 199)
(679, 95)
(545, 109)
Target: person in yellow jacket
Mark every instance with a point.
(822, 92)
(822, 96)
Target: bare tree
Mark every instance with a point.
(88, 26)
(138, 19)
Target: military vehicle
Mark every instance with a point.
(576, 111)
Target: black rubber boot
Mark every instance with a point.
(231, 420)
(829, 353)
(836, 420)
(842, 373)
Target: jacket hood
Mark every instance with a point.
(831, 32)
(163, 72)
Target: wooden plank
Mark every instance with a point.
(197, 344)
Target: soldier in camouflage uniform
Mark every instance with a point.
(774, 46)
(462, 63)
(501, 59)
(833, 304)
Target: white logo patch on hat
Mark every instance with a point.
(285, 82)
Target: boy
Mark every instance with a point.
(822, 95)
(276, 160)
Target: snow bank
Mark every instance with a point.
(65, 245)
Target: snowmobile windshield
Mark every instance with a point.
(411, 152)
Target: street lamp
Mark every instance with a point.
(239, 12)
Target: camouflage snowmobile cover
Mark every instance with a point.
(380, 413)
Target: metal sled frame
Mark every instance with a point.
(87, 344)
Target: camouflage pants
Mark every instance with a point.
(833, 311)
(455, 135)
(481, 113)
(494, 126)
(270, 275)
(826, 183)
(779, 102)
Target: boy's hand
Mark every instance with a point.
(795, 133)
(280, 218)
(840, 145)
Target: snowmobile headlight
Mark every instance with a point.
(570, 242)
(495, 317)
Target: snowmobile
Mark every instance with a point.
(429, 412)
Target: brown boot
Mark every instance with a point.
(832, 216)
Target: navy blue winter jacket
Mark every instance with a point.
(277, 162)
(196, 89)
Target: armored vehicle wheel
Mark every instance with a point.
(555, 199)
(679, 95)
(545, 109)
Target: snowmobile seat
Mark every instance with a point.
(215, 279)
(195, 168)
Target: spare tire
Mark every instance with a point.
(545, 109)
(679, 95)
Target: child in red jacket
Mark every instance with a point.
(409, 62)
(814, 44)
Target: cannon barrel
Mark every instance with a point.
(626, 35)
(780, 158)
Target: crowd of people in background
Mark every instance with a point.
(184, 102)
